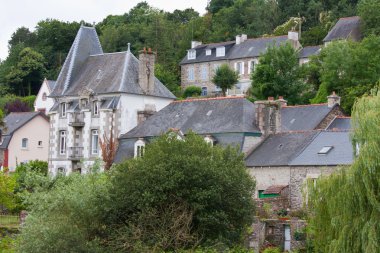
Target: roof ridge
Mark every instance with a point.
(343, 117)
(121, 52)
(289, 106)
(352, 17)
(207, 99)
(268, 37)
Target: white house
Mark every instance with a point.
(43, 102)
(98, 93)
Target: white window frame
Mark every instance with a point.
(204, 72)
(220, 51)
(24, 141)
(63, 110)
(62, 142)
(204, 91)
(191, 54)
(94, 141)
(239, 70)
(250, 69)
(190, 73)
(208, 51)
(95, 108)
(139, 148)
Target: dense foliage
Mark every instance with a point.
(345, 206)
(181, 194)
(225, 78)
(192, 91)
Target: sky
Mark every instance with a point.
(17, 13)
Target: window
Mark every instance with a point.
(209, 140)
(24, 143)
(216, 66)
(39, 143)
(220, 51)
(62, 142)
(61, 171)
(44, 96)
(95, 108)
(208, 51)
(190, 73)
(94, 142)
(191, 54)
(325, 150)
(63, 109)
(83, 102)
(139, 148)
(239, 68)
(251, 67)
(204, 91)
(204, 72)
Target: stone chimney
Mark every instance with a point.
(237, 40)
(282, 101)
(146, 70)
(268, 116)
(333, 99)
(294, 39)
(244, 37)
(194, 43)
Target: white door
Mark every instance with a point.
(287, 238)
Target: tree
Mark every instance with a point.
(369, 13)
(225, 78)
(192, 91)
(344, 206)
(279, 74)
(7, 196)
(216, 5)
(211, 183)
(17, 106)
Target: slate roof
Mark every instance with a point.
(248, 49)
(341, 154)
(303, 117)
(306, 52)
(340, 123)
(279, 149)
(345, 28)
(203, 116)
(51, 84)
(13, 122)
(87, 66)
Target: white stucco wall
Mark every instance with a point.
(35, 130)
(39, 104)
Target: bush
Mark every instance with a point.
(272, 250)
(192, 91)
(17, 106)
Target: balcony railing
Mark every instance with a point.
(75, 153)
(77, 120)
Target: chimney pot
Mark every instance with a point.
(333, 99)
(270, 98)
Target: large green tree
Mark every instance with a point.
(225, 78)
(369, 12)
(279, 74)
(345, 206)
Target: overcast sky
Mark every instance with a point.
(17, 13)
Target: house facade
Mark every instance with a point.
(24, 139)
(43, 102)
(201, 62)
(99, 95)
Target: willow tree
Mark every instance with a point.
(346, 206)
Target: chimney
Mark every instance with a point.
(333, 99)
(238, 40)
(194, 43)
(293, 38)
(244, 37)
(146, 70)
(282, 101)
(268, 116)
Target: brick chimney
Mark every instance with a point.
(195, 43)
(146, 70)
(268, 116)
(333, 99)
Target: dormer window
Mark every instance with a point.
(208, 51)
(191, 54)
(220, 51)
(139, 148)
(63, 109)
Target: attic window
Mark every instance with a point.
(220, 51)
(325, 150)
(139, 148)
(191, 54)
(44, 96)
(208, 51)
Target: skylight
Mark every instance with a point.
(325, 150)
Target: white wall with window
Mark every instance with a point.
(62, 142)
(190, 73)
(204, 72)
(42, 102)
(239, 68)
(94, 142)
(220, 51)
(191, 54)
(24, 143)
(139, 148)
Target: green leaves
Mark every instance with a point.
(225, 78)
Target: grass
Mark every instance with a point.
(9, 221)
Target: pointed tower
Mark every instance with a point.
(86, 43)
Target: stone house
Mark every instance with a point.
(199, 65)
(43, 102)
(97, 94)
(24, 138)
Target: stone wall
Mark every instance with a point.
(275, 204)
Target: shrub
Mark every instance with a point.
(192, 91)
(17, 106)
(272, 250)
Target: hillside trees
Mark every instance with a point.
(369, 12)
(345, 206)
